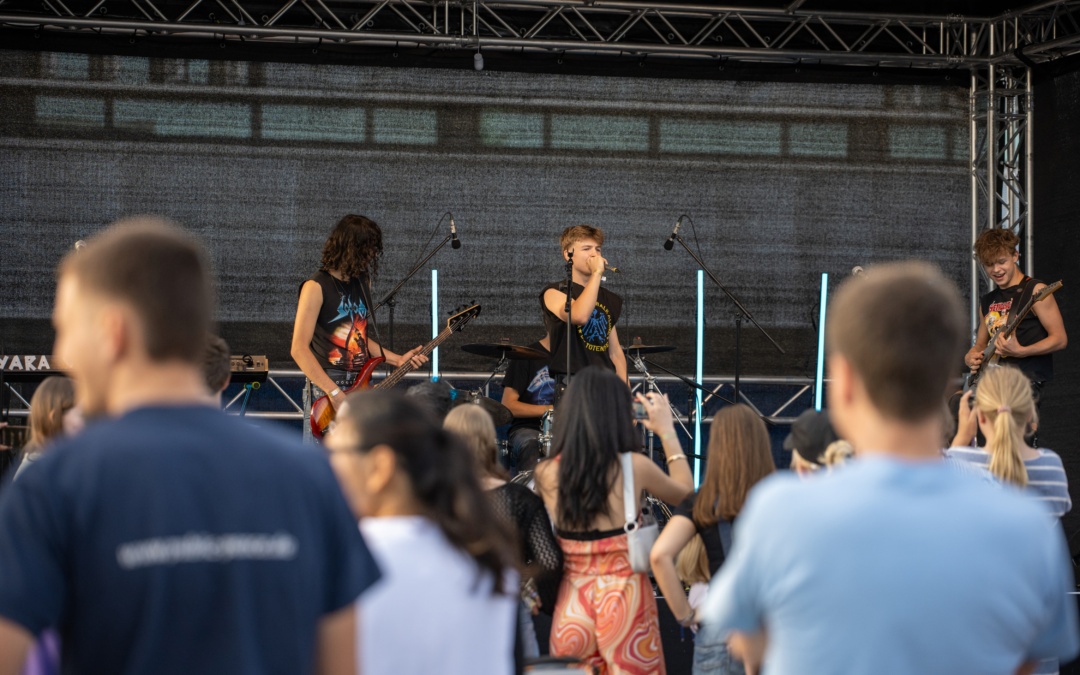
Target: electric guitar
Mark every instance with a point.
(990, 356)
(322, 411)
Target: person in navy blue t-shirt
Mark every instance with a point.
(168, 537)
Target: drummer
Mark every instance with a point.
(528, 393)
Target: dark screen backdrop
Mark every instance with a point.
(1057, 240)
(784, 182)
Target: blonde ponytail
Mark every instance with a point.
(1004, 398)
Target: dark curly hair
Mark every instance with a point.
(354, 247)
(993, 243)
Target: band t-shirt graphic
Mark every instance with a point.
(340, 337)
(996, 306)
(533, 382)
(589, 343)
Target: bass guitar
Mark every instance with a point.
(323, 412)
(990, 356)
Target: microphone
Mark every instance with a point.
(671, 240)
(611, 268)
(454, 243)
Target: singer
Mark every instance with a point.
(594, 310)
(330, 339)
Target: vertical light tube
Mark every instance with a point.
(697, 374)
(435, 322)
(819, 379)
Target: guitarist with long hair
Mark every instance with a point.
(330, 341)
(1038, 335)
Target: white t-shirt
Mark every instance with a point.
(431, 612)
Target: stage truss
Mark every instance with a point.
(631, 28)
(998, 51)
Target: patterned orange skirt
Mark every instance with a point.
(606, 613)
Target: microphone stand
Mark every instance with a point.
(739, 315)
(390, 300)
(569, 318)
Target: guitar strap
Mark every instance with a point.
(1022, 300)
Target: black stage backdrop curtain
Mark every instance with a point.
(1057, 241)
(784, 181)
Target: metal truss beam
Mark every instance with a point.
(631, 28)
(1002, 175)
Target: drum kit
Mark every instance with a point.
(506, 352)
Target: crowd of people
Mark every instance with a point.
(164, 536)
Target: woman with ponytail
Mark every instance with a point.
(1003, 411)
(447, 598)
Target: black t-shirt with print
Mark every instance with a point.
(589, 343)
(995, 307)
(532, 381)
(340, 337)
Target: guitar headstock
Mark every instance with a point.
(1046, 291)
(461, 316)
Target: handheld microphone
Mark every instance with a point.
(671, 240)
(454, 243)
(611, 268)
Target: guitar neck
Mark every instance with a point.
(404, 369)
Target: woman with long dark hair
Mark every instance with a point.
(447, 598)
(519, 507)
(330, 341)
(739, 457)
(606, 614)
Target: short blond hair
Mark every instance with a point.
(473, 425)
(573, 235)
(692, 563)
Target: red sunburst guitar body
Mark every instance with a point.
(322, 411)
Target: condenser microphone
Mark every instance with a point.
(454, 243)
(671, 240)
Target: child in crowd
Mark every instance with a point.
(739, 457)
(521, 509)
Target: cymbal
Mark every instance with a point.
(650, 349)
(498, 349)
(500, 414)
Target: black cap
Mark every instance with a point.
(811, 433)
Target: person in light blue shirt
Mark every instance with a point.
(895, 563)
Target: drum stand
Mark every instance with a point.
(500, 367)
(650, 385)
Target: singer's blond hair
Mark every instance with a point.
(573, 235)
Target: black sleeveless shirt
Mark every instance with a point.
(340, 338)
(589, 343)
(995, 307)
